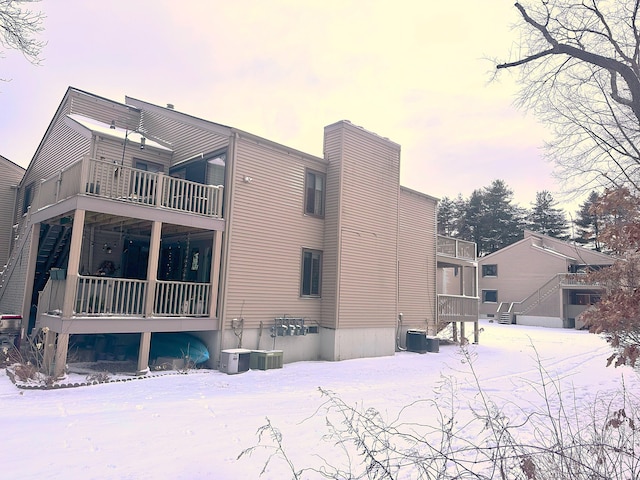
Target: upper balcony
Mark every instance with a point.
(107, 180)
(455, 251)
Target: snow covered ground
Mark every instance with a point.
(194, 426)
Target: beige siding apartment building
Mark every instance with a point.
(136, 220)
(539, 280)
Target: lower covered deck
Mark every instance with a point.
(459, 311)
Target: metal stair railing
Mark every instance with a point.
(537, 297)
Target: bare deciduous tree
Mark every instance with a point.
(579, 65)
(19, 27)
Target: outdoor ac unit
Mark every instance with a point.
(266, 359)
(235, 360)
(417, 341)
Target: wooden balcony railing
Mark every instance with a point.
(108, 296)
(453, 247)
(182, 299)
(119, 182)
(457, 308)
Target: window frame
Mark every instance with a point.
(484, 296)
(307, 201)
(495, 270)
(310, 292)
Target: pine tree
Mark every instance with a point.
(490, 219)
(588, 223)
(504, 221)
(470, 223)
(545, 218)
(447, 217)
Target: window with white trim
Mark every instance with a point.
(490, 270)
(489, 296)
(314, 193)
(311, 273)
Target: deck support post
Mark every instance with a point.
(152, 268)
(49, 349)
(75, 248)
(215, 273)
(143, 353)
(62, 348)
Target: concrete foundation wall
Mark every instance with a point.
(345, 344)
(551, 322)
(328, 344)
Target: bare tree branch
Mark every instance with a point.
(580, 74)
(19, 28)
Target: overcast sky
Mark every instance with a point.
(413, 71)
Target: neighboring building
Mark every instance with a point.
(539, 280)
(10, 176)
(136, 219)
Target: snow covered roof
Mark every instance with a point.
(103, 129)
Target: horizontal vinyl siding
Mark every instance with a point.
(104, 110)
(62, 147)
(111, 150)
(10, 176)
(369, 220)
(186, 140)
(333, 153)
(367, 283)
(13, 288)
(268, 232)
(417, 260)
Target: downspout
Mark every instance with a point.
(434, 278)
(398, 314)
(399, 347)
(224, 268)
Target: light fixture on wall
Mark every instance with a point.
(143, 141)
(247, 179)
(107, 249)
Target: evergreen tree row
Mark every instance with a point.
(491, 219)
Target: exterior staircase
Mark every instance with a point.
(507, 310)
(52, 252)
(506, 318)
